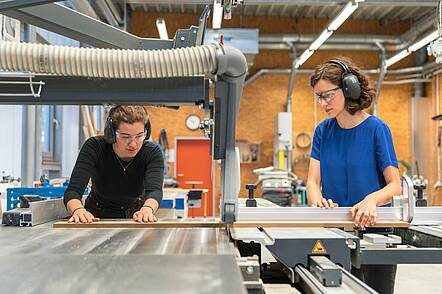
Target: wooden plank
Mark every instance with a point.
(128, 223)
(216, 223)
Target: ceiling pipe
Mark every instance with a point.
(329, 47)
(291, 79)
(263, 71)
(297, 38)
(406, 81)
(381, 76)
(279, 41)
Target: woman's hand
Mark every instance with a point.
(324, 203)
(364, 213)
(145, 215)
(81, 215)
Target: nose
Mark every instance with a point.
(323, 102)
(133, 143)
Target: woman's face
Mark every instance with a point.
(330, 97)
(130, 138)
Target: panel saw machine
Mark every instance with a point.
(315, 248)
(249, 249)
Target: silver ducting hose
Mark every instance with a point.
(108, 63)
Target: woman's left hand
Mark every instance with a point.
(145, 215)
(364, 213)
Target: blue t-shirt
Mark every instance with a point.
(353, 160)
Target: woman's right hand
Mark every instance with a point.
(81, 215)
(324, 203)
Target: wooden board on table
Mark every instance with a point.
(216, 223)
(129, 223)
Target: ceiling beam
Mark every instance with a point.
(15, 4)
(409, 3)
(72, 24)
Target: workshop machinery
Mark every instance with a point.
(305, 248)
(302, 248)
(277, 185)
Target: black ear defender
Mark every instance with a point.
(350, 84)
(148, 128)
(109, 130)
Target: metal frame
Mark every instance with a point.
(70, 23)
(231, 69)
(400, 256)
(427, 215)
(226, 111)
(312, 214)
(73, 24)
(411, 3)
(16, 4)
(92, 91)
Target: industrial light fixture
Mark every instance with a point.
(404, 53)
(412, 48)
(424, 41)
(349, 8)
(304, 56)
(162, 30)
(343, 15)
(435, 48)
(217, 14)
(320, 40)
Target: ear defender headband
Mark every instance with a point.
(349, 82)
(109, 130)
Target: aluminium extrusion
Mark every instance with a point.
(311, 214)
(408, 255)
(350, 284)
(427, 216)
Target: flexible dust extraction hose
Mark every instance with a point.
(108, 63)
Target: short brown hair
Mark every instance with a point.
(333, 73)
(129, 114)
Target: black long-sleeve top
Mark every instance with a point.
(110, 183)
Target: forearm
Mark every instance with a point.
(385, 195)
(73, 204)
(314, 193)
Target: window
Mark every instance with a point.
(47, 132)
(51, 140)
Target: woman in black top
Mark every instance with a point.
(126, 171)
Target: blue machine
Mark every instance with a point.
(13, 194)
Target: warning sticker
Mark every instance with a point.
(319, 248)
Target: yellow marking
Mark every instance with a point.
(319, 248)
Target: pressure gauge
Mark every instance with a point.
(193, 122)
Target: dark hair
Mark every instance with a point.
(129, 114)
(333, 73)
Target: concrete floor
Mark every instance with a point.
(421, 278)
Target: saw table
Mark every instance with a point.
(155, 260)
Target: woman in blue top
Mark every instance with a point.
(353, 162)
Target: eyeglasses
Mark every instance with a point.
(128, 138)
(326, 96)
